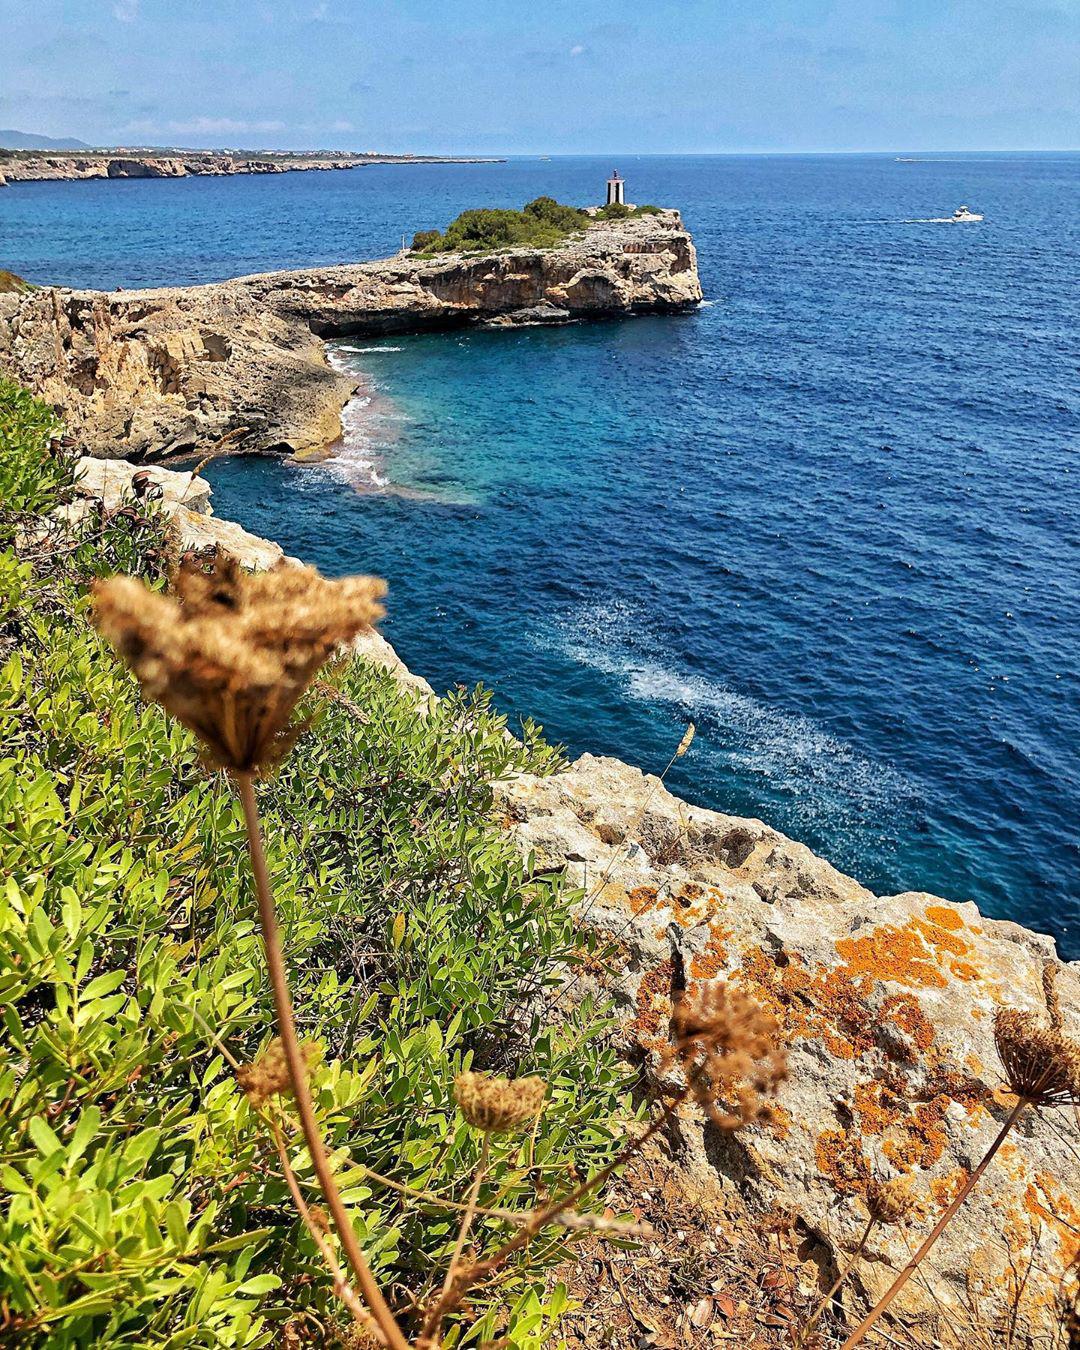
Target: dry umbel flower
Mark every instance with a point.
(727, 1047)
(498, 1105)
(890, 1202)
(1042, 1066)
(230, 654)
(268, 1076)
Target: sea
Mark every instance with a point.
(832, 517)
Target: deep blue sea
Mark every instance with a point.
(833, 517)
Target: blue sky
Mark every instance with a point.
(560, 76)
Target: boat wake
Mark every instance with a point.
(806, 778)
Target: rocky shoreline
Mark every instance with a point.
(887, 1003)
(146, 374)
(32, 167)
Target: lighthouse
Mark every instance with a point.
(616, 190)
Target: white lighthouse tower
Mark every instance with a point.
(616, 189)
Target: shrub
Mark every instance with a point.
(35, 471)
(543, 223)
(144, 1203)
(620, 211)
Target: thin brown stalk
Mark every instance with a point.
(838, 1283)
(384, 1319)
(901, 1280)
(341, 1286)
(453, 1294)
(462, 1237)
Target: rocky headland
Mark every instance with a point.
(149, 373)
(24, 167)
(887, 1005)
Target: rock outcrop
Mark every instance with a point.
(886, 1002)
(887, 1005)
(149, 373)
(36, 168)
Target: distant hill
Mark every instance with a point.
(27, 140)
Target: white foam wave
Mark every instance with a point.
(792, 752)
(360, 351)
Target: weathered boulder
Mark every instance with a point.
(887, 1005)
(144, 374)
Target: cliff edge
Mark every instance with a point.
(887, 1005)
(148, 373)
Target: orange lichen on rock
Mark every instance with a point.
(779, 1121)
(840, 1159)
(945, 1189)
(919, 1141)
(1047, 1201)
(707, 964)
(941, 939)
(653, 1007)
(944, 917)
(642, 898)
(900, 955)
(877, 1105)
(905, 1012)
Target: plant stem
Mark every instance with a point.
(909, 1270)
(838, 1282)
(463, 1233)
(294, 1059)
(452, 1295)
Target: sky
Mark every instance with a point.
(547, 77)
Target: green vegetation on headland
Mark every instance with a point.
(143, 1202)
(11, 281)
(543, 223)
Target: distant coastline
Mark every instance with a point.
(32, 166)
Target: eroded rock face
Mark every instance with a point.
(888, 1006)
(141, 374)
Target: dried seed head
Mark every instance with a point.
(231, 654)
(496, 1105)
(727, 1047)
(1041, 1065)
(687, 740)
(268, 1076)
(890, 1201)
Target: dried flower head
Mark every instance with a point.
(230, 654)
(496, 1105)
(268, 1076)
(687, 740)
(727, 1047)
(890, 1202)
(1042, 1066)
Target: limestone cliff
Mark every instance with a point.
(23, 167)
(154, 372)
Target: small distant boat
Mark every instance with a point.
(963, 214)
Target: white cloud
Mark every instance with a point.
(577, 50)
(342, 125)
(127, 11)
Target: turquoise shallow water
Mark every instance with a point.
(834, 517)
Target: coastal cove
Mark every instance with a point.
(782, 517)
(791, 517)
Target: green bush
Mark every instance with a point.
(620, 211)
(143, 1202)
(35, 471)
(543, 223)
